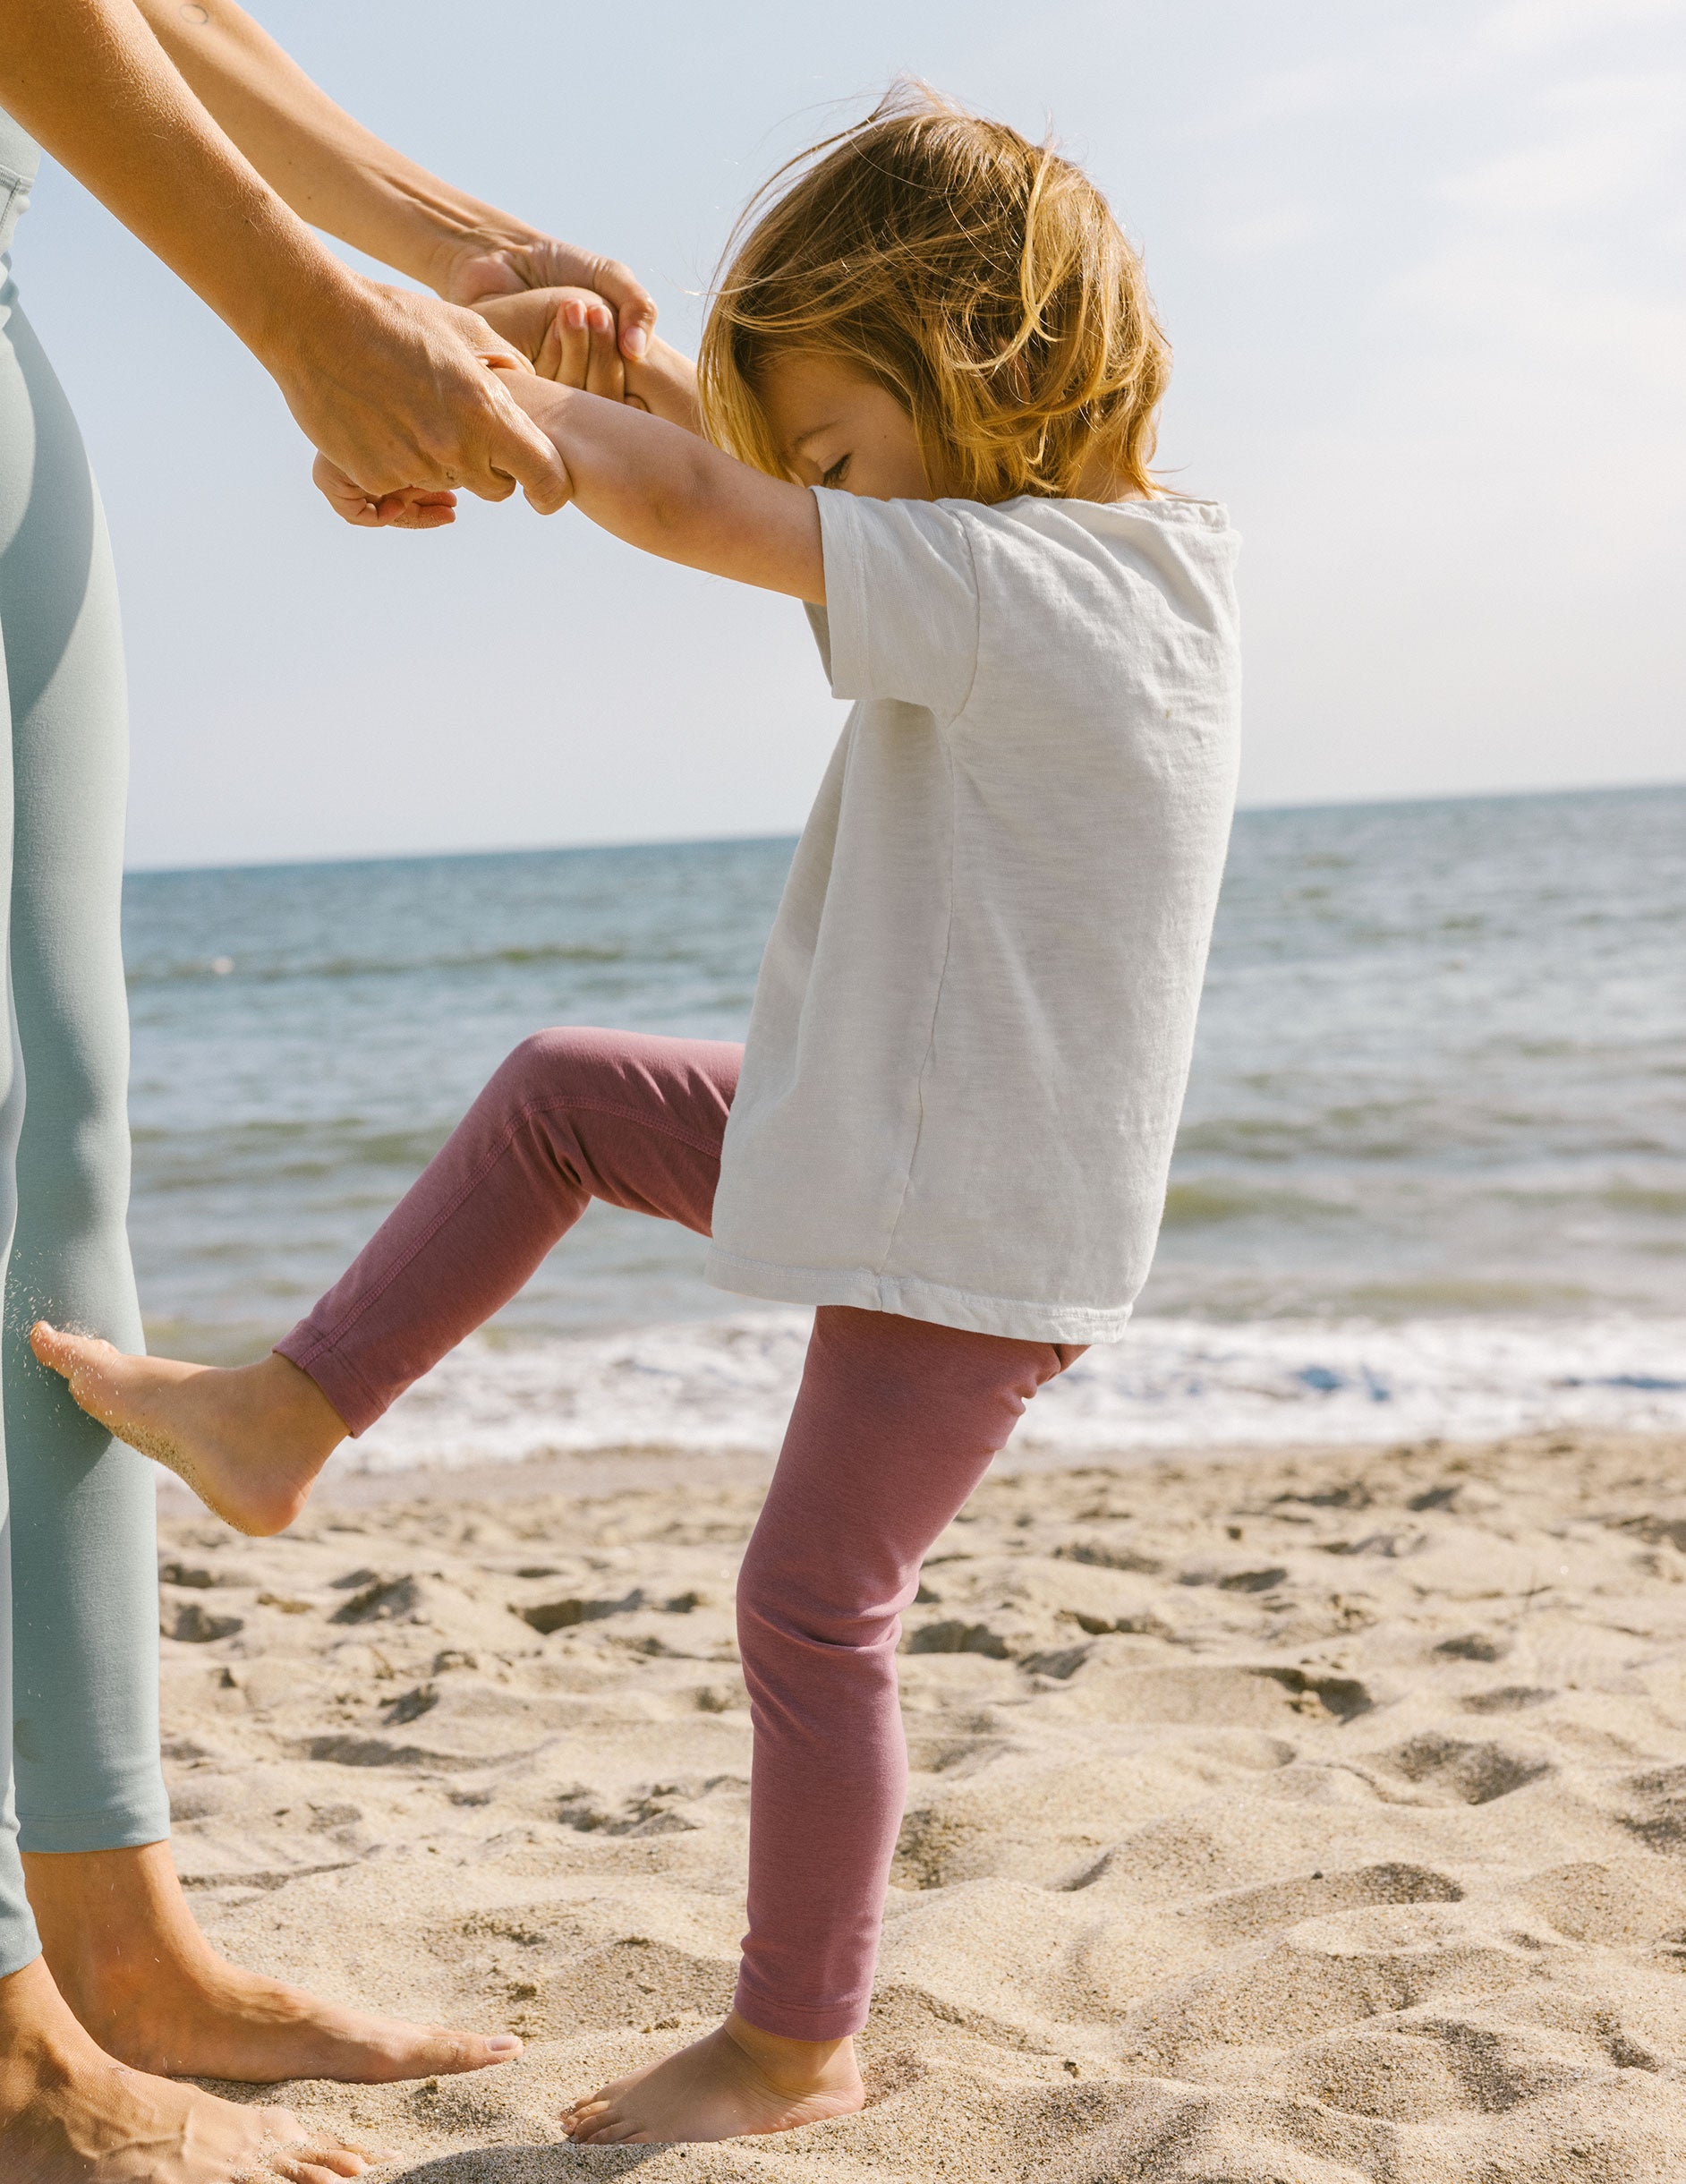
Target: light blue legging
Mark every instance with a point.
(79, 1710)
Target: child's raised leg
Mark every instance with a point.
(571, 1115)
(896, 1422)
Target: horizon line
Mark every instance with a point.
(328, 860)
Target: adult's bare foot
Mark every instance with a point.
(131, 1962)
(70, 2115)
(737, 2082)
(250, 1441)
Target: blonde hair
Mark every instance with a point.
(977, 276)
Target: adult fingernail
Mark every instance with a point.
(636, 341)
(504, 2044)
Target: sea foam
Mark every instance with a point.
(1172, 1383)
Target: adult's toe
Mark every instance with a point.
(480, 2051)
(329, 2164)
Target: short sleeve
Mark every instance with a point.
(902, 601)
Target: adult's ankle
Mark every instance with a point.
(41, 2043)
(114, 1926)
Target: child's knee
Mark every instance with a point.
(787, 1608)
(545, 1067)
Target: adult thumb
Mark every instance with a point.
(522, 452)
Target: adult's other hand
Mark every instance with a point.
(477, 269)
(396, 395)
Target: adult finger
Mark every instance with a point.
(347, 499)
(489, 345)
(416, 511)
(634, 306)
(520, 453)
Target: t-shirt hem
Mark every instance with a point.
(911, 1297)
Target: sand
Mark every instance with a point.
(1300, 1818)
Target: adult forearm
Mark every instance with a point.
(89, 79)
(331, 170)
(389, 387)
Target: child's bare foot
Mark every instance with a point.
(70, 2115)
(738, 2081)
(249, 1442)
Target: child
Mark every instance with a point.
(934, 362)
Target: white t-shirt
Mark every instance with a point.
(971, 1034)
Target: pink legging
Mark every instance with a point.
(895, 1422)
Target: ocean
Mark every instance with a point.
(1431, 1179)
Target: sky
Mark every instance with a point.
(1421, 261)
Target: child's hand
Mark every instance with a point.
(566, 334)
(569, 335)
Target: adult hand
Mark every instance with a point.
(480, 267)
(395, 394)
(415, 508)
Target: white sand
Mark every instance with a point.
(1289, 1819)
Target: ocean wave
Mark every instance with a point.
(728, 1383)
(1387, 1124)
(1206, 1200)
(268, 972)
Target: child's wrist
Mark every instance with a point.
(665, 382)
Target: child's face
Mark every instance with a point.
(834, 426)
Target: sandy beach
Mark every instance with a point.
(1291, 1817)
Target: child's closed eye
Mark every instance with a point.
(838, 472)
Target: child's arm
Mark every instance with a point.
(658, 487)
(664, 383)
